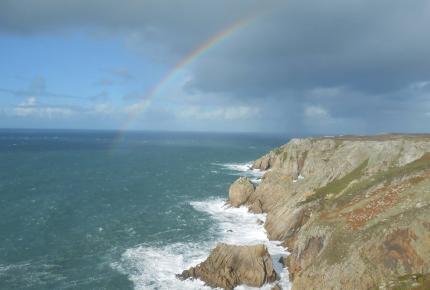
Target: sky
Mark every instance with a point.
(290, 67)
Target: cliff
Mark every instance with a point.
(353, 211)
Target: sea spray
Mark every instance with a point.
(155, 267)
(243, 169)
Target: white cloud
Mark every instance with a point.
(318, 119)
(316, 112)
(419, 85)
(220, 113)
(104, 108)
(30, 108)
(136, 107)
(30, 102)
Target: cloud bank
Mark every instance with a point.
(310, 66)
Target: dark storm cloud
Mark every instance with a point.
(181, 24)
(350, 61)
(366, 45)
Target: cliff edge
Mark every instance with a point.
(354, 211)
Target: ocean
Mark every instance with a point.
(90, 210)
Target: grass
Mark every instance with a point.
(341, 184)
(277, 150)
(337, 248)
(386, 176)
(336, 186)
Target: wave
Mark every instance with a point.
(243, 169)
(30, 274)
(152, 267)
(240, 227)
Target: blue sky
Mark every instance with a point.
(300, 67)
(74, 70)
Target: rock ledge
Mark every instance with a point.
(229, 266)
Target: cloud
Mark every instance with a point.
(30, 108)
(420, 85)
(316, 112)
(30, 102)
(297, 44)
(37, 86)
(222, 113)
(100, 96)
(361, 62)
(135, 108)
(104, 108)
(122, 73)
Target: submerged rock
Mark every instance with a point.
(240, 191)
(229, 266)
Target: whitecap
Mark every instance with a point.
(240, 227)
(243, 169)
(155, 267)
(152, 267)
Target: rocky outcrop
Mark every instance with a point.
(228, 266)
(240, 191)
(352, 210)
(264, 162)
(267, 161)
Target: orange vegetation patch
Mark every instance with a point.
(386, 197)
(359, 217)
(325, 215)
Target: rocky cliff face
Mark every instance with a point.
(353, 211)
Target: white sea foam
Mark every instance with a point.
(151, 267)
(243, 169)
(240, 227)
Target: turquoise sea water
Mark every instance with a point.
(77, 212)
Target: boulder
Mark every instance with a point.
(240, 191)
(229, 266)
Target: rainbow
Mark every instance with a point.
(137, 108)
